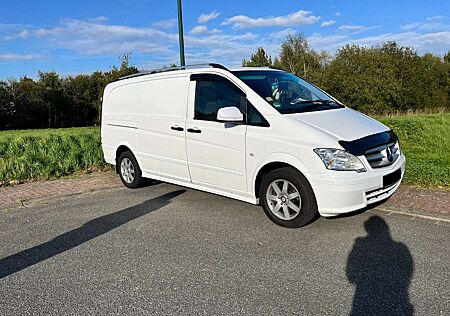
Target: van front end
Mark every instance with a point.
(383, 166)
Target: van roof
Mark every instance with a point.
(200, 66)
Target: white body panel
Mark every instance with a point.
(140, 113)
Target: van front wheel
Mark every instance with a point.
(287, 198)
(129, 170)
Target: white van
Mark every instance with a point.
(259, 135)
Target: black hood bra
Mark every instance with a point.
(359, 146)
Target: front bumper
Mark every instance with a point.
(339, 192)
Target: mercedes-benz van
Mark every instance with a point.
(259, 135)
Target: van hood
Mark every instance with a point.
(344, 123)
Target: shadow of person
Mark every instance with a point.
(82, 234)
(381, 269)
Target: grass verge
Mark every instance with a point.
(425, 140)
(45, 154)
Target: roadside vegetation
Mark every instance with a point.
(425, 140)
(51, 153)
(48, 153)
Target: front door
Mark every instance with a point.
(215, 150)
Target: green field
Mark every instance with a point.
(52, 153)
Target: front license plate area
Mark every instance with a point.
(392, 178)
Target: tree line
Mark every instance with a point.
(375, 80)
(53, 101)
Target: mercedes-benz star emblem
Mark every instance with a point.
(389, 154)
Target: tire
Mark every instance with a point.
(294, 194)
(129, 171)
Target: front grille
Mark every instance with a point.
(382, 156)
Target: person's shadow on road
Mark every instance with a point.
(381, 269)
(82, 234)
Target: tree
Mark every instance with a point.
(52, 91)
(297, 57)
(258, 59)
(447, 57)
(7, 107)
(300, 59)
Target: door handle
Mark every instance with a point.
(194, 130)
(177, 128)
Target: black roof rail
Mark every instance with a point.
(214, 65)
(277, 68)
(154, 71)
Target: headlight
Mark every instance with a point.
(337, 159)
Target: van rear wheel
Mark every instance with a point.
(287, 198)
(129, 170)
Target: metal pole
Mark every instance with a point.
(180, 33)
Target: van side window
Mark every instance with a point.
(212, 95)
(255, 118)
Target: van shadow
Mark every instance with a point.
(381, 269)
(90, 230)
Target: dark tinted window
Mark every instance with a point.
(254, 117)
(212, 95)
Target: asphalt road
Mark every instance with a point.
(164, 249)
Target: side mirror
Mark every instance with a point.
(230, 114)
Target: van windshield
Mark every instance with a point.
(286, 92)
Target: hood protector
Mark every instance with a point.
(359, 146)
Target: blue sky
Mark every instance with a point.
(81, 36)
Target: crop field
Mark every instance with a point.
(52, 153)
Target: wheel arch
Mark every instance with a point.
(273, 163)
(123, 147)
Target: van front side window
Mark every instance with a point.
(211, 96)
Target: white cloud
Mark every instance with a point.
(220, 41)
(20, 35)
(427, 26)
(328, 23)
(87, 38)
(435, 18)
(99, 19)
(19, 57)
(348, 28)
(437, 42)
(199, 29)
(165, 24)
(338, 13)
(296, 18)
(205, 17)
(281, 35)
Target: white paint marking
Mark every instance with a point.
(413, 215)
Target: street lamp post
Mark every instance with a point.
(180, 33)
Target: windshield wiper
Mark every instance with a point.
(311, 105)
(319, 101)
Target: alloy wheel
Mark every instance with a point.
(283, 199)
(127, 170)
